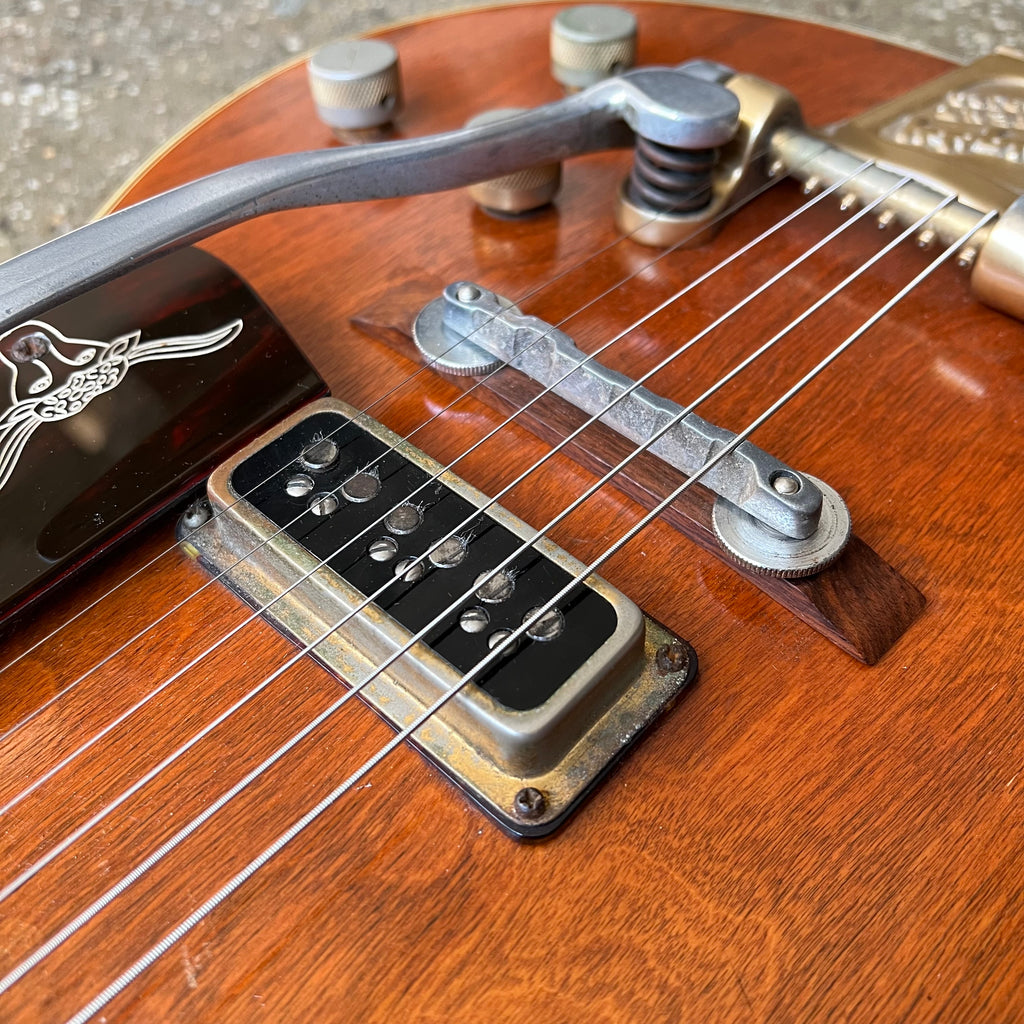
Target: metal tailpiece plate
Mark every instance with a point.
(963, 132)
(583, 698)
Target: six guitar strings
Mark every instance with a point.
(151, 955)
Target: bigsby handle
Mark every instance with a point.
(665, 105)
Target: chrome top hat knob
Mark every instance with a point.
(590, 43)
(355, 83)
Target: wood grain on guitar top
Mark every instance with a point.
(803, 838)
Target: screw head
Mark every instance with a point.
(196, 514)
(785, 483)
(33, 345)
(324, 504)
(320, 455)
(383, 549)
(529, 803)
(672, 657)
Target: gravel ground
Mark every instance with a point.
(88, 88)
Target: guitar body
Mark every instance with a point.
(802, 838)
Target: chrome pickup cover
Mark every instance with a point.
(307, 544)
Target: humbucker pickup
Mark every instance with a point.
(354, 543)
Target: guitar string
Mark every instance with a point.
(137, 872)
(100, 815)
(68, 759)
(184, 927)
(428, 363)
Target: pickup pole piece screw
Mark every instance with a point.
(320, 455)
(529, 803)
(383, 549)
(498, 637)
(404, 519)
(361, 487)
(324, 504)
(474, 620)
(547, 627)
(590, 43)
(299, 485)
(356, 85)
(409, 570)
(495, 589)
(449, 553)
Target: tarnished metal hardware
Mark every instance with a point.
(664, 105)
(591, 42)
(470, 326)
(961, 134)
(819, 163)
(517, 193)
(356, 84)
(741, 165)
(768, 553)
(526, 767)
(998, 275)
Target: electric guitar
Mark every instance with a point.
(824, 823)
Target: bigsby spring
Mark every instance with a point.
(669, 180)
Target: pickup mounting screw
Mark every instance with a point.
(529, 803)
(966, 256)
(672, 657)
(196, 514)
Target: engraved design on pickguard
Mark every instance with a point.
(986, 119)
(53, 377)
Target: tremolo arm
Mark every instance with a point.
(768, 516)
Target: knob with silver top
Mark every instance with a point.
(356, 84)
(590, 43)
(521, 191)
